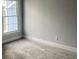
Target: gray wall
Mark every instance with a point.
(53, 20)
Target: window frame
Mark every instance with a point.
(18, 20)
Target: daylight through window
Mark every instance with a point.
(9, 15)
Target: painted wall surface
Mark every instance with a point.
(53, 20)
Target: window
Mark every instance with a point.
(10, 16)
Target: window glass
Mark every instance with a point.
(10, 17)
(11, 12)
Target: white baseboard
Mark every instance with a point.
(8, 40)
(72, 49)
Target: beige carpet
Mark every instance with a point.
(24, 49)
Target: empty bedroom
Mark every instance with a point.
(39, 29)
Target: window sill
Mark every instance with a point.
(9, 33)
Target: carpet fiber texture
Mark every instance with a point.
(24, 49)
